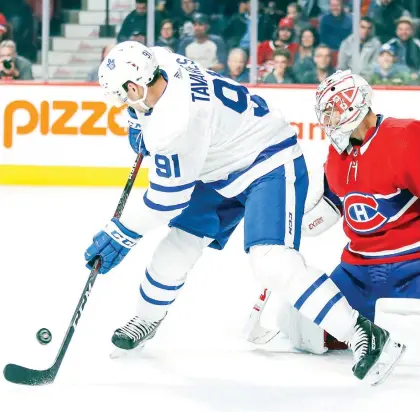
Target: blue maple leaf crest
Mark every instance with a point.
(111, 64)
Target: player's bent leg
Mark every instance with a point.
(309, 290)
(305, 335)
(174, 257)
(165, 276)
(316, 296)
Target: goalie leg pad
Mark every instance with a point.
(309, 290)
(401, 317)
(174, 257)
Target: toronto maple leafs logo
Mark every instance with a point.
(111, 64)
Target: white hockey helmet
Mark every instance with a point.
(342, 102)
(127, 61)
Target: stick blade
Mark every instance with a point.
(24, 376)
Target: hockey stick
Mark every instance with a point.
(254, 332)
(25, 376)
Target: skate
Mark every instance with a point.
(135, 333)
(375, 353)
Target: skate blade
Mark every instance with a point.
(118, 353)
(261, 336)
(389, 359)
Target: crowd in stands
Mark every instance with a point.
(298, 42)
(301, 41)
(17, 47)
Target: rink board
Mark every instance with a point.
(65, 135)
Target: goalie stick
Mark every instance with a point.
(25, 376)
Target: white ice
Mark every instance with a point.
(197, 362)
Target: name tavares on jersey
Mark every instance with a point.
(199, 85)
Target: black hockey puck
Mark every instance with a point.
(44, 336)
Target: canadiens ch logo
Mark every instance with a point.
(362, 214)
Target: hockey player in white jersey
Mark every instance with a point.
(218, 154)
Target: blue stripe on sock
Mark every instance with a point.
(154, 301)
(310, 290)
(161, 285)
(327, 308)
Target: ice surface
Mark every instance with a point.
(196, 363)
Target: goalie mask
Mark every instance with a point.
(342, 102)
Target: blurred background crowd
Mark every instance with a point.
(298, 42)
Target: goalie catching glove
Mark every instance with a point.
(111, 246)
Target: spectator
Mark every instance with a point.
(322, 68)
(369, 49)
(335, 26)
(385, 13)
(139, 36)
(313, 8)
(282, 73)
(274, 12)
(208, 50)
(283, 40)
(18, 14)
(184, 20)
(166, 38)
(238, 30)
(93, 75)
(137, 21)
(236, 66)
(5, 29)
(300, 21)
(406, 47)
(387, 71)
(304, 58)
(12, 66)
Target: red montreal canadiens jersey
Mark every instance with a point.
(379, 186)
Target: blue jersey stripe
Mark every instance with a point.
(162, 208)
(154, 301)
(308, 292)
(380, 255)
(161, 285)
(171, 189)
(327, 308)
(264, 155)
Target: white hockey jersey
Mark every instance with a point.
(206, 128)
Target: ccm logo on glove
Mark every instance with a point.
(125, 241)
(111, 246)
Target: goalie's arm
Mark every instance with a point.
(322, 209)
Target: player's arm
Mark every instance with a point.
(405, 159)
(172, 176)
(322, 207)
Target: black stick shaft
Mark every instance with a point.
(25, 376)
(94, 272)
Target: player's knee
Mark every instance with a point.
(176, 254)
(274, 266)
